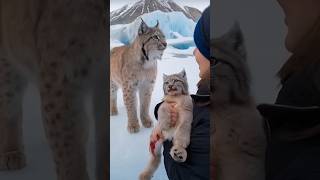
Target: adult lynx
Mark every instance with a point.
(134, 68)
(62, 46)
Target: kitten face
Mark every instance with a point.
(175, 84)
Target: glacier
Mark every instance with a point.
(177, 28)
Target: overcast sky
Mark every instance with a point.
(200, 4)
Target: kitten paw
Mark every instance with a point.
(133, 127)
(12, 161)
(178, 153)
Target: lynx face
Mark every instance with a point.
(175, 84)
(152, 40)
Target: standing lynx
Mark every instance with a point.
(239, 140)
(134, 68)
(175, 88)
(62, 46)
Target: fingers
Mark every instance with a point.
(173, 117)
(172, 107)
(155, 135)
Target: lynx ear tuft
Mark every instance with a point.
(143, 28)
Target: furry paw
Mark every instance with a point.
(145, 176)
(114, 111)
(13, 160)
(178, 153)
(133, 127)
(147, 122)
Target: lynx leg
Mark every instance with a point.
(145, 92)
(153, 163)
(130, 101)
(12, 155)
(181, 138)
(65, 124)
(113, 98)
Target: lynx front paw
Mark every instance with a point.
(12, 161)
(133, 127)
(114, 111)
(147, 122)
(145, 176)
(178, 153)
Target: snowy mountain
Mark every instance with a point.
(129, 13)
(194, 12)
(177, 28)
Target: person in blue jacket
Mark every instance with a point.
(197, 165)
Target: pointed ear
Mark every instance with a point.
(183, 73)
(235, 39)
(143, 28)
(164, 76)
(157, 25)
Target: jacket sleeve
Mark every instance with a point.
(317, 83)
(156, 110)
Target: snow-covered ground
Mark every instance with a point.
(129, 152)
(40, 164)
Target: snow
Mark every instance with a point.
(120, 11)
(181, 42)
(129, 152)
(165, 4)
(174, 25)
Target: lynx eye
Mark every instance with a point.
(166, 82)
(156, 37)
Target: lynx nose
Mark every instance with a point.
(170, 86)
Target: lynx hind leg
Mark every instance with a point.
(178, 153)
(65, 126)
(113, 98)
(12, 155)
(181, 139)
(153, 163)
(145, 93)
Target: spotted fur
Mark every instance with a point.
(175, 88)
(61, 46)
(134, 69)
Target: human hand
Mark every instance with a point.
(155, 136)
(174, 115)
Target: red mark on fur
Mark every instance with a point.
(153, 145)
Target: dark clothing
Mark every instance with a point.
(293, 151)
(197, 165)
